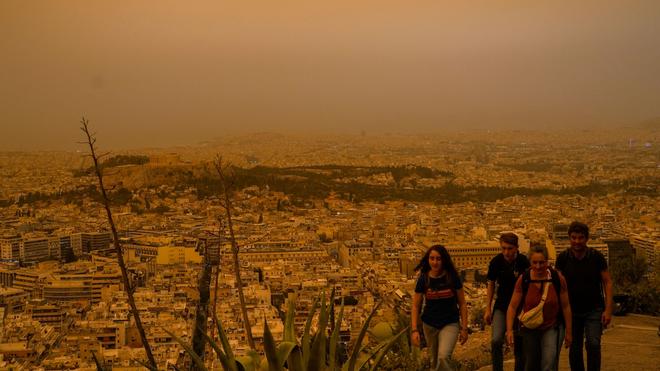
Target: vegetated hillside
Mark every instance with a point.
(314, 182)
(407, 183)
(114, 161)
(149, 176)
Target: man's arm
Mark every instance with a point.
(566, 311)
(511, 311)
(489, 301)
(560, 262)
(607, 286)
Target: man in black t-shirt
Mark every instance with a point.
(587, 278)
(504, 270)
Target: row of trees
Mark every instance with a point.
(633, 281)
(120, 196)
(317, 182)
(306, 184)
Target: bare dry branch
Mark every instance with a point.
(91, 141)
(225, 190)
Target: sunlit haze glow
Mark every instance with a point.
(170, 72)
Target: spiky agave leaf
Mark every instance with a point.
(246, 363)
(294, 360)
(196, 359)
(284, 351)
(270, 349)
(334, 337)
(222, 335)
(404, 341)
(306, 338)
(331, 312)
(99, 367)
(256, 358)
(367, 357)
(289, 326)
(382, 349)
(224, 361)
(318, 350)
(294, 357)
(357, 347)
(145, 364)
(250, 362)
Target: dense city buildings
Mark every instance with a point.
(349, 214)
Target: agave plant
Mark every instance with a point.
(314, 352)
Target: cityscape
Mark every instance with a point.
(352, 185)
(348, 215)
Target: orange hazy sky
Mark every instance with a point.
(160, 73)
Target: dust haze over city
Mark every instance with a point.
(259, 156)
(177, 74)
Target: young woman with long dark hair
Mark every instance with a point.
(440, 291)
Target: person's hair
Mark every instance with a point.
(510, 238)
(578, 227)
(447, 265)
(538, 249)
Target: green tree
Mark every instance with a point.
(627, 272)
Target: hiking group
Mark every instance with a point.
(536, 308)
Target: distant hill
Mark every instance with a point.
(650, 124)
(317, 182)
(115, 161)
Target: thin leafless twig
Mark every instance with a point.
(91, 141)
(226, 184)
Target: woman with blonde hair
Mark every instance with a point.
(540, 299)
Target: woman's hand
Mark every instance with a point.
(463, 336)
(568, 339)
(509, 337)
(415, 338)
(488, 316)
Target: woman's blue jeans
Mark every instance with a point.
(441, 344)
(540, 349)
(498, 340)
(587, 330)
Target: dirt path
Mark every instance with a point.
(631, 344)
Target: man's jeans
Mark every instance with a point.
(586, 325)
(498, 339)
(540, 347)
(441, 344)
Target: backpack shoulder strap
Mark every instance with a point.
(556, 282)
(526, 280)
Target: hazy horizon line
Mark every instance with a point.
(78, 146)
